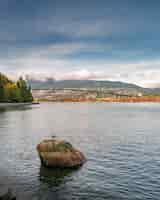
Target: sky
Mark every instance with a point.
(116, 40)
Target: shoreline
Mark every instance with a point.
(4, 105)
(143, 99)
(134, 99)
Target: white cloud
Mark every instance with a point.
(84, 74)
(51, 62)
(60, 50)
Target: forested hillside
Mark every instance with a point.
(14, 91)
(50, 83)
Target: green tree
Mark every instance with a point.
(14, 92)
(25, 90)
(3, 81)
(2, 93)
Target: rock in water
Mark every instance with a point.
(59, 153)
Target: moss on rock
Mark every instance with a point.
(59, 153)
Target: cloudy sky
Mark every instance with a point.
(81, 39)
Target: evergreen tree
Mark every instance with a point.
(25, 91)
(2, 93)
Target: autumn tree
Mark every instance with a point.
(14, 92)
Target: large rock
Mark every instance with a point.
(59, 153)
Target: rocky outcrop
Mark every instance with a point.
(59, 153)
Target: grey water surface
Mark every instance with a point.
(120, 141)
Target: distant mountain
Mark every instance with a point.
(38, 84)
(90, 84)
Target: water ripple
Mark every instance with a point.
(120, 141)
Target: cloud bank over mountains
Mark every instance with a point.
(106, 40)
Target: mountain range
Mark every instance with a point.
(114, 86)
(90, 84)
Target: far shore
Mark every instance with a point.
(114, 99)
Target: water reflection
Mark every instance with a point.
(17, 108)
(56, 176)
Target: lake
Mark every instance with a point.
(121, 143)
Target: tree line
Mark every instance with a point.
(14, 91)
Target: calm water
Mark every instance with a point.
(121, 142)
